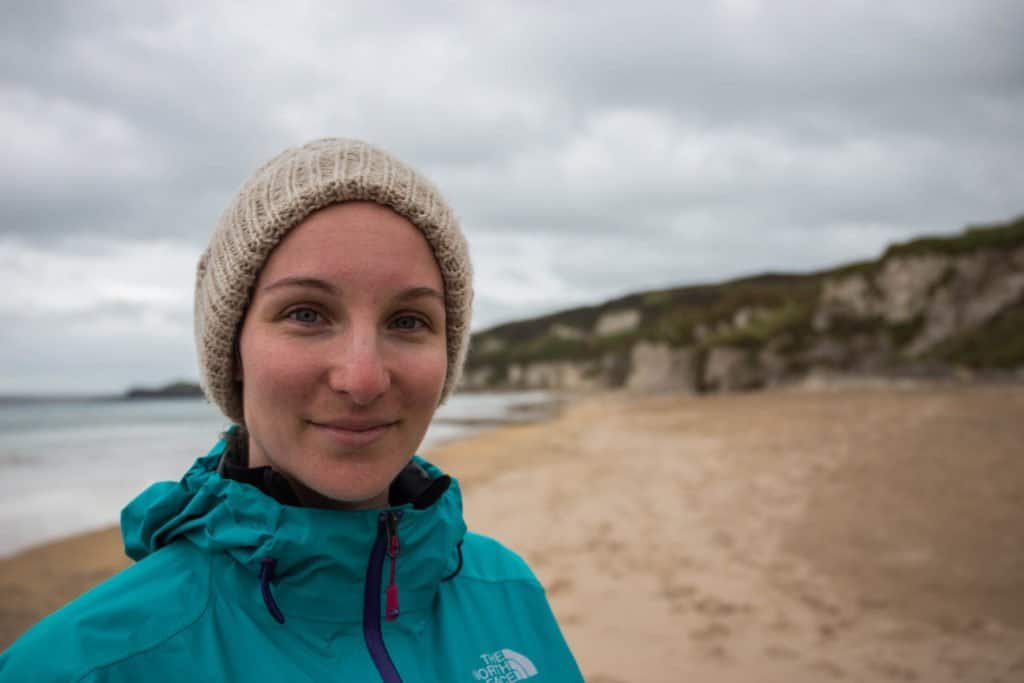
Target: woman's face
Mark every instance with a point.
(343, 354)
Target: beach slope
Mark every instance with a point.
(854, 534)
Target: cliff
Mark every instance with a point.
(935, 305)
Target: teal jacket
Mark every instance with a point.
(230, 585)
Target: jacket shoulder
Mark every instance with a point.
(486, 559)
(504, 617)
(133, 611)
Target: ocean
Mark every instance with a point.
(70, 466)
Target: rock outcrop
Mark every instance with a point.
(659, 367)
(935, 305)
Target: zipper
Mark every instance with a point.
(391, 528)
(386, 545)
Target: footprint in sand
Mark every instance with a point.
(716, 607)
(827, 631)
(722, 539)
(781, 624)
(678, 596)
(571, 620)
(896, 672)
(711, 631)
(781, 652)
(718, 652)
(539, 559)
(819, 605)
(826, 667)
(559, 585)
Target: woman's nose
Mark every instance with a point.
(357, 368)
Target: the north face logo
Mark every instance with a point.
(504, 666)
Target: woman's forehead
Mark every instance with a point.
(354, 244)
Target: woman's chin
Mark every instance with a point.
(343, 496)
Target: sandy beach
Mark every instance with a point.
(856, 534)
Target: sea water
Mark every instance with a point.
(70, 466)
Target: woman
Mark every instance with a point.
(331, 316)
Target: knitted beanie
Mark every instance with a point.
(280, 195)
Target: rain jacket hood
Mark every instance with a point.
(231, 585)
(319, 556)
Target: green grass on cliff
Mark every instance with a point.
(792, 317)
(782, 305)
(999, 236)
(670, 316)
(999, 344)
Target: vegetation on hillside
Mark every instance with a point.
(674, 316)
(996, 345)
(1002, 236)
(773, 306)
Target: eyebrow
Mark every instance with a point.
(420, 292)
(316, 283)
(300, 281)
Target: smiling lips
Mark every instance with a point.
(354, 433)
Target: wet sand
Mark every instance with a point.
(852, 535)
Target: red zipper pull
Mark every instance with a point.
(391, 610)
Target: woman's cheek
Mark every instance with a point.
(429, 370)
(284, 364)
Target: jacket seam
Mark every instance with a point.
(161, 641)
(527, 581)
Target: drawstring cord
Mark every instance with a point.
(267, 565)
(391, 527)
(457, 568)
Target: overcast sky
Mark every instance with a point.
(591, 149)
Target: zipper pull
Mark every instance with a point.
(393, 547)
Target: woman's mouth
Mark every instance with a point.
(354, 433)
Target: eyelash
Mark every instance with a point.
(291, 315)
(421, 323)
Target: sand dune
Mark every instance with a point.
(856, 535)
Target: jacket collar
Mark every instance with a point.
(321, 555)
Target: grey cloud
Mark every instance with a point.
(114, 311)
(701, 58)
(194, 125)
(649, 144)
(47, 363)
(42, 351)
(208, 112)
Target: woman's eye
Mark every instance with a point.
(304, 315)
(408, 322)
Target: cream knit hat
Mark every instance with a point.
(279, 196)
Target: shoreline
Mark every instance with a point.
(68, 468)
(518, 414)
(38, 579)
(798, 536)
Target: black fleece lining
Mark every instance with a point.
(412, 485)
